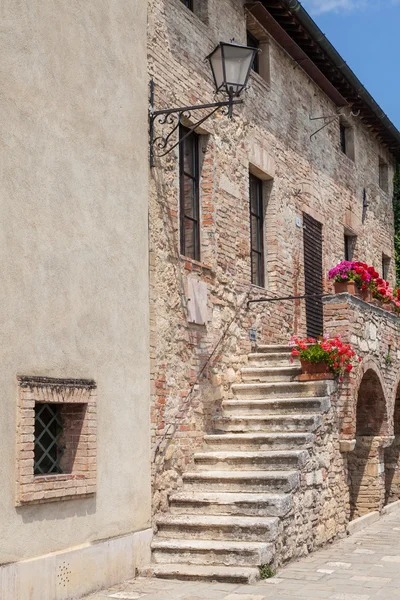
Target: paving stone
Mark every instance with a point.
(363, 567)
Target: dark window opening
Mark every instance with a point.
(383, 175)
(189, 194)
(257, 231)
(253, 42)
(48, 432)
(349, 246)
(343, 146)
(188, 4)
(385, 266)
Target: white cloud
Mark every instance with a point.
(318, 7)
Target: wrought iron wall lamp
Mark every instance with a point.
(230, 65)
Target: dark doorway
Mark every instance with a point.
(313, 275)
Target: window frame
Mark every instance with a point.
(343, 141)
(386, 263)
(383, 175)
(253, 42)
(257, 253)
(188, 4)
(194, 138)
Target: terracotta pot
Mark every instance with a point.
(313, 368)
(345, 286)
(386, 306)
(314, 371)
(365, 295)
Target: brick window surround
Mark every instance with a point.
(77, 400)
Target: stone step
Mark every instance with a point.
(292, 389)
(249, 461)
(273, 349)
(280, 405)
(241, 481)
(259, 441)
(272, 359)
(270, 374)
(268, 423)
(211, 552)
(218, 527)
(226, 503)
(221, 574)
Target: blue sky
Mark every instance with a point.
(367, 35)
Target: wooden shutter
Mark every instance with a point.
(313, 275)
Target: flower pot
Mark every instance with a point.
(314, 371)
(345, 286)
(365, 295)
(386, 306)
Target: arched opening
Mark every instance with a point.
(366, 462)
(392, 457)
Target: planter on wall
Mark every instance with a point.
(345, 286)
(365, 295)
(314, 371)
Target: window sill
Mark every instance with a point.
(194, 265)
(259, 79)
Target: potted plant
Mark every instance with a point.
(343, 277)
(324, 358)
(354, 277)
(384, 294)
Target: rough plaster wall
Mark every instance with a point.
(73, 249)
(311, 176)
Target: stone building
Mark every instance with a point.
(250, 465)
(74, 409)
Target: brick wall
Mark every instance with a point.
(269, 135)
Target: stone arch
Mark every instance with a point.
(392, 454)
(366, 462)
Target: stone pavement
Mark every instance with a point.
(365, 566)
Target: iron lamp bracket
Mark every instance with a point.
(169, 121)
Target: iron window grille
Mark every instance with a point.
(189, 194)
(48, 432)
(253, 42)
(257, 231)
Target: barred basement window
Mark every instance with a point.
(56, 439)
(48, 432)
(257, 231)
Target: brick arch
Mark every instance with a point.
(370, 409)
(392, 453)
(366, 475)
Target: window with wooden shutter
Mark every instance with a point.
(313, 275)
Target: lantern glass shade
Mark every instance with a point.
(231, 65)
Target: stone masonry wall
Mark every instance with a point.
(368, 407)
(270, 136)
(321, 505)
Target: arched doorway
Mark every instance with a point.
(392, 457)
(366, 462)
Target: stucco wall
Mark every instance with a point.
(73, 250)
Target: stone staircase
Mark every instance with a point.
(226, 520)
